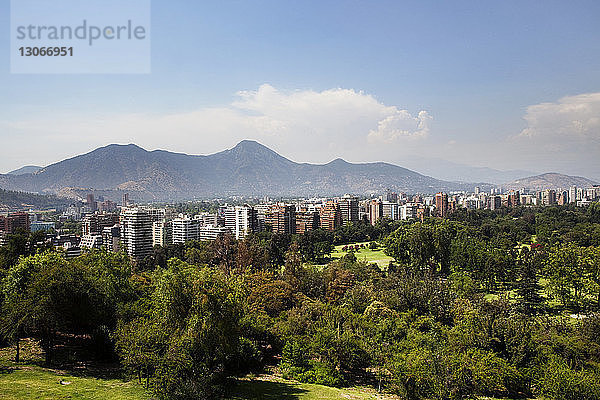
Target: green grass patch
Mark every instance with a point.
(287, 390)
(29, 382)
(366, 254)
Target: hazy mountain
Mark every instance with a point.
(452, 171)
(28, 169)
(551, 180)
(248, 169)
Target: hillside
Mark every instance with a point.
(19, 200)
(28, 169)
(551, 180)
(247, 169)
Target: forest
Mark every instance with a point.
(502, 303)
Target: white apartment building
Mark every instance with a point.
(184, 229)
(136, 232)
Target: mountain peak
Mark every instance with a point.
(338, 161)
(132, 146)
(250, 145)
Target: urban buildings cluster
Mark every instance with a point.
(136, 229)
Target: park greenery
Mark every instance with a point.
(501, 303)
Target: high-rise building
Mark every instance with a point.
(93, 224)
(10, 223)
(92, 204)
(107, 206)
(162, 233)
(441, 205)
(91, 241)
(281, 218)
(563, 198)
(495, 202)
(548, 197)
(228, 213)
(184, 229)
(514, 198)
(136, 232)
(330, 216)
(408, 211)
(125, 201)
(348, 208)
(246, 221)
(390, 196)
(111, 237)
(375, 211)
(573, 194)
(390, 210)
(306, 221)
(210, 232)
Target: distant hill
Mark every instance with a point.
(550, 180)
(10, 200)
(247, 169)
(28, 169)
(452, 171)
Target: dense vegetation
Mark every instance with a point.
(484, 303)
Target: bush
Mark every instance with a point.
(558, 381)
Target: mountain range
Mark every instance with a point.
(247, 169)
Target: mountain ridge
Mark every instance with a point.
(249, 168)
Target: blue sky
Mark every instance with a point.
(474, 82)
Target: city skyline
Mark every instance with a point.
(507, 86)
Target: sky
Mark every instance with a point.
(499, 84)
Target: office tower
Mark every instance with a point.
(184, 229)
(441, 205)
(125, 201)
(136, 233)
(348, 208)
(477, 190)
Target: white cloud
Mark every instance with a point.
(571, 118)
(401, 125)
(307, 125)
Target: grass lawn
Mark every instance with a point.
(366, 254)
(278, 389)
(29, 382)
